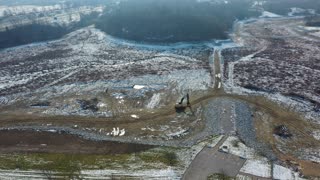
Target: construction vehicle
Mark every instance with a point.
(181, 107)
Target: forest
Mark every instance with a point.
(41, 32)
(173, 21)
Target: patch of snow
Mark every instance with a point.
(18, 174)
(212, 143)
(122, 132)
(310, 28)
(138, 87)
(297, 11)
(258, 3)
(316, 134)
(179, 133)
(16, 10)
(154, 102)
(63, 17)
(101, 105)
(135, 116)
(218, 75)
(282, 173)
(52, 130)
(267, 14)
(258, 167)
(168, 173)
(236, 147)
(115, 131)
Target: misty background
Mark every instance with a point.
(151, 21)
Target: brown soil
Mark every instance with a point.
(32, 141)
(273, 116)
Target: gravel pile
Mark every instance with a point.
(212, 114)
(246, 130)
(243, 120)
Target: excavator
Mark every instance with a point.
(181, 107)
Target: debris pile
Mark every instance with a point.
(89, 104)
(282, 131)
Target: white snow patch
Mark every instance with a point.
(122, 132)
(138, 87)
(297, 11)
(310, 28)
(135, 116)
(258, 167)
(316, 134)
(154, 102)
(101, 105)
(240, 149)
(212, 143)
(16, 10)
(168, 173)
(52, 130)
(282, 173)
(180, 132)
(219, 86)
(64, 16)
(218, 75)
(267, 14)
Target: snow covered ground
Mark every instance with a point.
(88, 62)
(236, 147)
(13, 17)
(258, 167)
(255, 164)
(283, 173)
(267, 14)
(299, 11)
(17, 10)
(93, 174)
(68, 67)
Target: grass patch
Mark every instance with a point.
(70, 165)
(219, 176)
(166, 157)
(67, 164)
